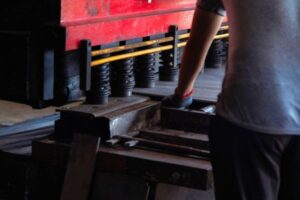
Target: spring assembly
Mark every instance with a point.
(168, 72)
(100, 84)
(216, 56)
(122, 77)
(146, 70)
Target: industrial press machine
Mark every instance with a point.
(97, 52)
(49, 47)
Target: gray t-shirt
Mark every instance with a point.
(260, 90)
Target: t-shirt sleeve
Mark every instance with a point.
(215, 6)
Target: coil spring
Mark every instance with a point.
(100, 84)
(122, 77)
(146, 69)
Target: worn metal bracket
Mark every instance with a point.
(85, 64)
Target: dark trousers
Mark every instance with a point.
(249, 165)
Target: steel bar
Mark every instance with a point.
(181, 44)
(168, 147)
(115, 104)
(183, 138)
(107, 122)
(222, 36)
(85, 63)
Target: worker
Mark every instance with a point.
(254, 138)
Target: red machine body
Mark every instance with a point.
(45, 36)
(107, 21)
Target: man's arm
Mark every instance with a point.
(204, 27)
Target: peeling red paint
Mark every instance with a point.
(91, 7)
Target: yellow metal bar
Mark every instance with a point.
(181, 44)
(223, 36)
(183, 36)
(131, 46)
(223, 28)
(144, 52)
(148, 43)
(130, 55)
(143, 44)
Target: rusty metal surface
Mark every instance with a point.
(133, 118)
(141, 147)
(151, 166)
(167, 147)
(195, 140)
(184, 119)
(137, 146)
(121, 121)
(158, 167)
(114, 104)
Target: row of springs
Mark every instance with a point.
(120, 77)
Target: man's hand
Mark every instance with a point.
(178, 101)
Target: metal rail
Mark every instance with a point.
(131, 46)
(143, 44)
(130, 55)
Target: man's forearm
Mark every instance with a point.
(204, 28)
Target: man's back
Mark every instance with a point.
(258, 110)
(260, 89)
